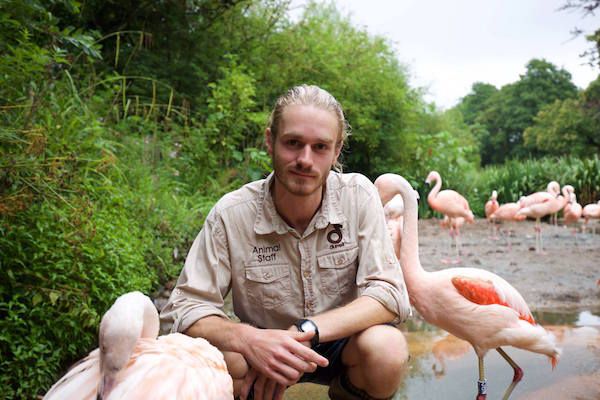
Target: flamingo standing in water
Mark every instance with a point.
(132, 363)
(591, 211)
(450, 203)
(472, 304)
(540, 210)
(490, 207)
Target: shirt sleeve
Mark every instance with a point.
(204, 281)
(379, 274)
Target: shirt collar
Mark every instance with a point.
(269, 221)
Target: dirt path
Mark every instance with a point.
(563, 277)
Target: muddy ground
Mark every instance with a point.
(564, 276)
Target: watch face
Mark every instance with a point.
(308, 326)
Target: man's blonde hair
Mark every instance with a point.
(314, 96)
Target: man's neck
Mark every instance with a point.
(296, 211)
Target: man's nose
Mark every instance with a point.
(305, 158)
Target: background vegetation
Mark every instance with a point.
(121, 123)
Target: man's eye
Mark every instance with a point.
(321, 146)
(293, 142)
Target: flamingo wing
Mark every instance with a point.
(492, 290)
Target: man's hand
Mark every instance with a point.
(264, 388)
(280, 355)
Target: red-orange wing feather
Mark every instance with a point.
(484, 292)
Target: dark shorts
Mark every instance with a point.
(333, 352)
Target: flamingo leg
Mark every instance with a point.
(450, 241)
(538, 236)
(458, 246)
(517, 376)
(482, 382)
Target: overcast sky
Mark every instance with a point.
(449, 45)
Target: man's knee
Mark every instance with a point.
(382, 344)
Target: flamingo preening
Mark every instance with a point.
(132, 363)
(472, 304)
(450, 203)
(572, 213)
(490, 207)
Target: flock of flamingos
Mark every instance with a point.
(470, 303)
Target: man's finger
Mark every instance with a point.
(259, 387)
(296, 363)
(308, 354)
(269, 389)
(247, 384)
(279, 390)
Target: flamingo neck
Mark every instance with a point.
(409, 251)
(431, 197)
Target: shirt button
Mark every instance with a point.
(267, 275)
(306, 274)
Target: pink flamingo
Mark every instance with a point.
(572, 213)
(393, 208)
(507, 212)
(539, 210)
(472, 304)
(450, 203)
(132, 363)
(552, 190)
(591, 211)
(490, 207)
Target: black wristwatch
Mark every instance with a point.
(306, 325)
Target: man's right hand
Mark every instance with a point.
(280, 355)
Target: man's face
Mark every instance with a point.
(304, 149)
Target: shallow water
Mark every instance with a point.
(444, 367)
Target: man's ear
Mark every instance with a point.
(269, 141)
(338, 151)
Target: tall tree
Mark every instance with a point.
(512, 109)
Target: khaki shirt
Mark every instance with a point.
(276, 275)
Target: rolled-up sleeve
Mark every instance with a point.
(204, 282)
(379, 274)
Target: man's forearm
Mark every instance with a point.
(222, 333)
(354, 317)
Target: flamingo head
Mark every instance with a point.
(433, 176)
(494, 195)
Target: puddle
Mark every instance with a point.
(446, 368)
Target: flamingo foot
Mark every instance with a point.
(446, 261)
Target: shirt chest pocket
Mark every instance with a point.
(267, 285)
(338, 270)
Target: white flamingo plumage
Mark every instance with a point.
(132, 363)
(470, 303)
(490, 208)
(393, 208)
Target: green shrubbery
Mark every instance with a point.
(518, 178)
